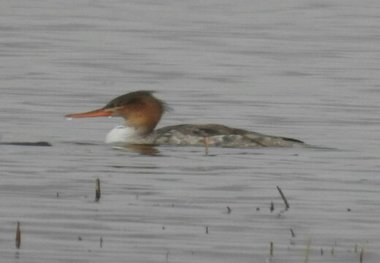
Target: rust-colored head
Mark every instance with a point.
(140, 109)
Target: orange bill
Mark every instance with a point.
(90, 114)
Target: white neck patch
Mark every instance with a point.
(121, 134)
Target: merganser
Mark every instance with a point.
(142, 112)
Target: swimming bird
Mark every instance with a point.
(142, 111)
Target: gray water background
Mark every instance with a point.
(302, 69)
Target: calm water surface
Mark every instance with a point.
(302, 69)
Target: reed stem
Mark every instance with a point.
(283, 198)
(18, 236)
(97, 190)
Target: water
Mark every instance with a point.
(302, 69)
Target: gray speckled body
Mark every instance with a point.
(217, 135)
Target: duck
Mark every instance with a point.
(142, 111)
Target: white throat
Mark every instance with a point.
(122, 134)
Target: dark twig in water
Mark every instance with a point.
(292, 232)
(229, 210)
(271, 249)
(283, 198)
(361, 256)
(205, 142)
(97, 190)
(18, 236)
(101, 242)
(43, 144)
